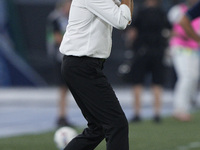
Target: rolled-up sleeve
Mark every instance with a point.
(126, 12)
(107, 10)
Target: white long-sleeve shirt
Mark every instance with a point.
(89, 31)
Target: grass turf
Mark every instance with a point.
(147, 135)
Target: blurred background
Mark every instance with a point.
(28, 88)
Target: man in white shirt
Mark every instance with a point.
(86, 44)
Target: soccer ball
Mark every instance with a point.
(63, 136)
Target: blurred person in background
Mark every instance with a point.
(147, 37)
(186, 60)
(56, 26)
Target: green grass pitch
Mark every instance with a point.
(147, 135)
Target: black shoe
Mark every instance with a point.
(136, 119)
(157, 119)
(61, 122)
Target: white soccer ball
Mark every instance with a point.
(63, 136)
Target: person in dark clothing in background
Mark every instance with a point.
(147, 36)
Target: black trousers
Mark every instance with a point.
(98, 103)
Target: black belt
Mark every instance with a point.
(87, 57)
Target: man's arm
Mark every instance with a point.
(117, 16)
(130, 4)
(186, 24)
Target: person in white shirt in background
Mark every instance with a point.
(86, 45)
